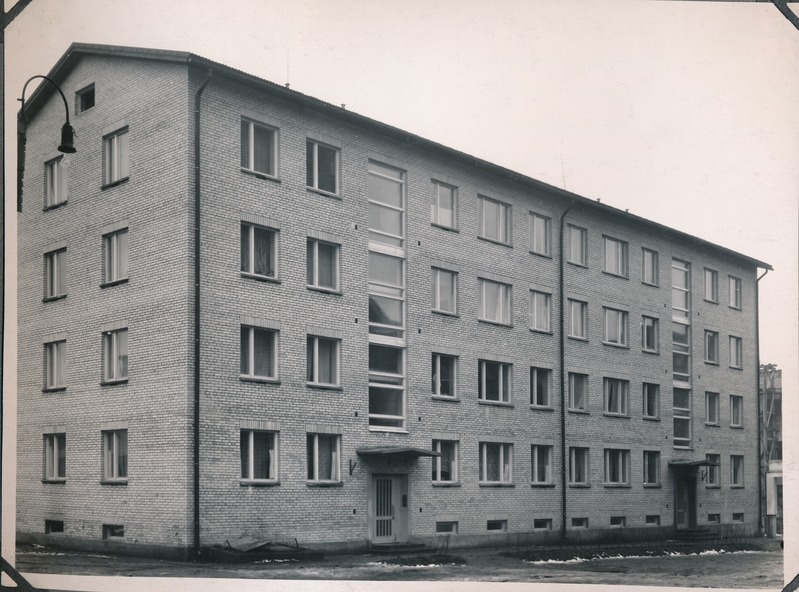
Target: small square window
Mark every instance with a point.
(735, 292)
(55, 365)
(444, 375)
(444, 290)
(651, 400)
(540, 311)
(736, 352)
(578, 392)
(650, 267)
(258, 250)
(711, 408)
(498, 525)
(650, 338)
(578, 319)
(323, 361)
(542, 524)
(55, 274)
(578, 466)
(115, 256)
(541, 461)
(494, 381)
(115, 355)
(618, 521)
(258, 148)
(737, 516)
(258, 455)
(540, 380)
(651, 467)
(445, 467)
(115, 455)
(116, 153)
(258, 353)
(322, 265)
(712, 478)
(615, 256)
(652, 520)
(55, 192)
(444, 205)
(711, 347)
(53, 526)
(494, 302)
(714, 518)
(577, 251)
(736, 411)
(579, 522)
(323, 454)
(495, 220)
(446, 528)
(711, 285)
(322, 167)
(113, 531)
(55, 457)
(496, 462)
(540, 234)
(617, 393)
(84, 98)
(615, 326)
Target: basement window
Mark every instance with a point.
(446, 527)
(113, 530)
(714, 518)
(579, 522)
(497, 525)
(542, 524)
(618, 521)
(53, 526)
(738, 517)
(653, 520)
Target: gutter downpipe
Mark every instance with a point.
(196, 434)
(760, 471)
(564, 459)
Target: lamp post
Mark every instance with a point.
(67, 145)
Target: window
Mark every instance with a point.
(494, 381)
(712, 477)
(578, 466)
(494, 301)
(55, 274)
(711, 408)
(736, 352)
(737, 516)
(540, 311)
(680, 287)
(113, 530)
(651, 467)
(652, 520)
(444, 372)
(386, 387)
(615, 326)
(446, 528)
(501, 525)
(55, 360)
(56, 182)
(615, 256)
(116, 156)
(445, 290)
(650, 337)
(115, 455)
(736, 411)
(258, 250)
(618, 521)
(735, 292)
(444, 205)
(650, 267)
(616, 395)
(542, 524)
(55, 457)
(578, 392)
(540, 379)
(386, 295)
(85, 98)
(53, 526)
(258, 353)
(258, 148)
(323, 453)
(445, 467)
(115, 256)
(115, 355)
(258, 455)
(736, 470)
(321, 167)
(681, 352)
(541, 461)
(579, 522)
(578, 319)
(682, 417)
(496, 462)
(617, 467)
(322, 265)
(495, 220)
(386, 205)
(540, 234)
(711, 285)
(714, 518)
(651, 400)
(577, 251)
(323, 361)
(711, 347)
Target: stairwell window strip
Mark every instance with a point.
(386, 387)
(386, 205)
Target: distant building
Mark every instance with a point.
(320, 327)
(771, 400)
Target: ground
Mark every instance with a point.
(758, 567)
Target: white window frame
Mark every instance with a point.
(313, 145)
(115, 268)
(616, 257)
(312, 452)
(504, 315)
(649, 269)
(273, 234)
(436, 360)
(250, 164)
(274, 457)
(504, 221)
(736, 289)
(619, 324)
(505, 378)
(580, 258)
(648, 322)
(543, 322)
(682, 414)
(572, 378)
(622, 461)
(313, 341)
(55, 274)
(113, 447)
(712, 408)
(584, 459)
(437, 273)
(435, 206)
(389, 381)
(736, 411)
(736, 352)
(55, 187)
(682, 267)
(251, 353)
(54, 445)
(578, 307)
(623, 396)
(536, 239)
(713, 474)
(711, 288)
(711, 346)
(116, 152)
(312, 260)
(536, 464)
(535, 394)
(650, 457)
(55, 364)
(505, 461)
(382, 289)
(736, 472)
(112, 350)
(393, 241)
(654, 391)
(454, 469)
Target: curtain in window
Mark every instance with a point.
(264, 354)
(262, 455)
(327, 169)
(327, 458)
(447, 461)
(327, 361)
(122, 452)
(264, 257)
(262, 146)
(122, 354)
(447, 376)
(326, 256)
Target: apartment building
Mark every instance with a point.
(244, 311)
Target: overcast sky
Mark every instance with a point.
(683, 112)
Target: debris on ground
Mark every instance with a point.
(575, 555)
(435, 559)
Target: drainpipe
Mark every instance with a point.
(760, 468)
(563, 452)
(196, 435)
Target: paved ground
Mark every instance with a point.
(736, 569)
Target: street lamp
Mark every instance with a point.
(67, 145)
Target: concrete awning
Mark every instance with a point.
(691, 464)
(408, 451)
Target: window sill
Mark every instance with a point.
(260, 278)
(497, 323)
(54, 389)
(542, 408)
(616, 345)
(446, 313)
(445, 398)
(617, 486)
(709, 424)
(645, 418)
(653, 485)
(736, 427)
(651, 352)
(446, 484)
(114, 183)
(485, 484)
(388, 429)
(113, 481)
(579, 411)
(577, 264)
(616, 275)
(576, 338)
(496, 242)
(616, 415)
(259, 380)
(541, 331)
(494, 403)
(264, 176)
(324, 387)
(258, 482)
(712, 486)
(114, 283)
(711, 363)
(54, 298)
(735, 307)
(710, 301)
(651, 284)
(55, 480)
(736, 487)
(317, 191)
(324, 484)
(678, 447)
(332, 291)
(113, 382)
(544, 255)
(54, 206)
(736, 367)
(579, 485)
(442, 227)
(544, 485)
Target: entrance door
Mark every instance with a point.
(685, 503)
(390, 503)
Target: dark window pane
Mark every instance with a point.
(326, 169)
